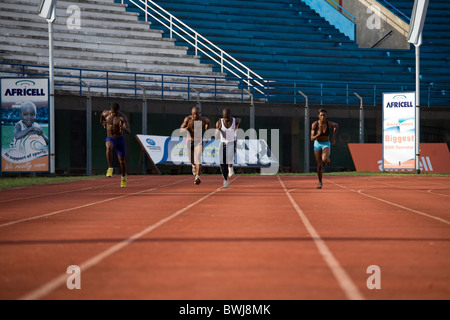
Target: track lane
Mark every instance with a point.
(411, 250)
(246, 242)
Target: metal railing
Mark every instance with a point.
(343, 11)
(397, 11)
(200, 43)
(110, 82)
(186, 87)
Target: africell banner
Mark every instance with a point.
(367, 157)
(173, 151)
(24, 125)
(399, 130)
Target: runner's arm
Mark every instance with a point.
(335, 127)
(238, 123)
(125, 126)
(314, 136)
(218, 129)
(185, 124)
(103, 119)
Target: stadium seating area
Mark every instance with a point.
(286, 40)
(120, 48)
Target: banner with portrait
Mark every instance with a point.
(24, 124)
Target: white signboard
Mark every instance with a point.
(173, 151)
(399, 130)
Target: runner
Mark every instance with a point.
(194, 125)
(227, 127)
(115, 123)
(320, 134)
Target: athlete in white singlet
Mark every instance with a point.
(227, 127)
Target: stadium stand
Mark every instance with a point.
(289, 44)
(112, 51)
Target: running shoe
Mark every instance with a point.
(123, 182)
(109, 173)
(197, 180)
(225, 184)
(319, 186)
(231, 172)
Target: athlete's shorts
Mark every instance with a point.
(192, 144)
(227, 152)
(119, 145)
(318, 146)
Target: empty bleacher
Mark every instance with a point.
(113, 52)
(289, 44)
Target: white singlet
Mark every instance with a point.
(228, 134)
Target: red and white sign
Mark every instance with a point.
(434, 157)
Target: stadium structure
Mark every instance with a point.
(178, 53)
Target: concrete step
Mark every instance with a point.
(125, 64)
(99, 12)
(70, 48)
(110, 4)
(102, 21)
(19, 23)
(119, 66)
(92, 42)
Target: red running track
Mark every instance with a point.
(264, 238)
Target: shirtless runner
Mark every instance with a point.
(194, 125)
(115, 123)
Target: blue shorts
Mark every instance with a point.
(318, 146)
(119, 145)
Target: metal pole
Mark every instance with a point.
(199, 103)
(418, 104)
(252, 109)
(307, 133)
(88, 130)
(52, 95)
(361, 118)
(144, 123)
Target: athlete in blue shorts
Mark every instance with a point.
(320, 134)
(115, 123)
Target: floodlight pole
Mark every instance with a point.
(307, 133)
(52, 93)
(361, 118)
(199, 103)
(144, 122)
(417, 45)
(252, 109)
(88, 130)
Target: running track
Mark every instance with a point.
(264, 238)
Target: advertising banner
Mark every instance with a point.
(24, 125)
(367, 157)
(173, 151)
(399, 130)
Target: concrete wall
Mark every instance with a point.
(373, 24)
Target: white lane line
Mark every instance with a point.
(52, 285)
(61, 192)
(345, 282)
(392, 203)
(407, 188)
(45, 195)
(85, 205)
(439, 194)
